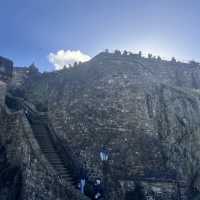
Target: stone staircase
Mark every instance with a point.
(57, 154)
(49, 149)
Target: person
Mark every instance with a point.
(104, 154)
(82, 185)
(26, 112)
(3, 156)
(82, 181)
(98, 192)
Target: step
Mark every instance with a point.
(39, 130)
(61, 171)
(56, 161)
(48, 150)
(53, 155)
(58, 168)
(66, 175)
(42, 134)
(43, 139)
(60, 165)
(42, 144)
(45, 145)
(67, 179)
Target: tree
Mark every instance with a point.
(125, 53)
(75, 64)
(159, 58)
(33, 69)
(117, 52)
(193, 63)
(149, 55)
(173, 60)
(140, 54)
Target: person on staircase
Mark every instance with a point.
(26, 113)
(98, 191)
(82, 180)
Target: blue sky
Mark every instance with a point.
(31, 29)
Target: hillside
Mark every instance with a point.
(144, 111)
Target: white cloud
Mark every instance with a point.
(65, 58)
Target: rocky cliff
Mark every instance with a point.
(144, 111)
(25, 172)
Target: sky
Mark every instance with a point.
(46, 31)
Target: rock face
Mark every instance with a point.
(144, 111)
(25, 172)
(10, 174)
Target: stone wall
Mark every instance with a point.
(154, 189)
(39, 178)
